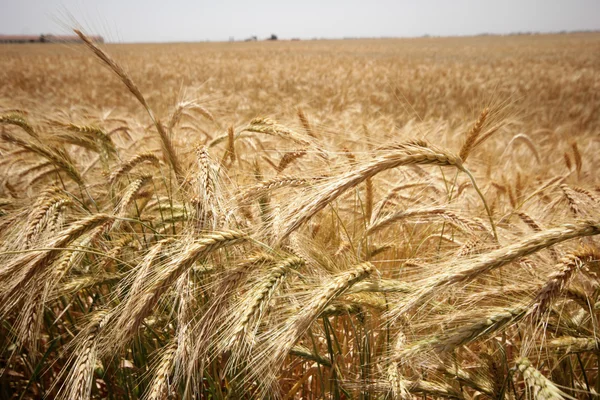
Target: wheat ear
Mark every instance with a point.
(129, 165)
(20, 271)
(305, 124)
(260, 298)
(160, 387)
(574, 203)
(398, 387)
(43, 213)
(278, 345)
(559, 279)
(570, 344)
(240, 341)
(407, 154)
(462, 223)
(471, 269)
(57, 157)
(18, 120)
(473, 134)
(577, 157)
(485, 326)
(270, 127)
(80, 379)
(289, 158)
(130, 192)
(139, 307)
(230, 150)
(266, 187)
(168, 149)
(542, 387)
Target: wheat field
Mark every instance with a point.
(356, 219)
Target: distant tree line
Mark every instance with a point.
(46, 39)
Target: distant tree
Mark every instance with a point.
(273, 37)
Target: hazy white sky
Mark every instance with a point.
(193, 20)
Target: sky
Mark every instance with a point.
(198, 20)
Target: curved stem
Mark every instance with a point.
(487, 208)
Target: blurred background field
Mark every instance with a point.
(549, 80)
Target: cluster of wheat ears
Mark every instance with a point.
(264, 260)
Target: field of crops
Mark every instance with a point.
(359, 219)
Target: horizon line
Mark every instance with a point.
(254, 38)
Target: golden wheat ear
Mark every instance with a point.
(142, 302)
(407, 154)
(167, 145)
(276, 344)
(542, 387)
